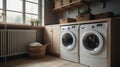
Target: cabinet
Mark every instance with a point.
(52, 35)
(56, 39)
(48, 37)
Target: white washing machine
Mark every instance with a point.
(93, 44)
(69, 43)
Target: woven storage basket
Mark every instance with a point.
(66, 20)
(57, 3)
(37, 51)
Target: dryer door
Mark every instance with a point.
(68, 40)
(92, 41)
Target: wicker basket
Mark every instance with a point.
(65, 2)
(66, 20)
(57, 3)
(37, 51)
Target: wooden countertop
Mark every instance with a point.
(88, 21)
(22, 26)
(84, 22)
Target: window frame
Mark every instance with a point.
(27, 13)
(23, 11)
(1, 9)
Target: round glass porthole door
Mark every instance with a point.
(93, 42)
(68, 40)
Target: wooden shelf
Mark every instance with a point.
(74, 4)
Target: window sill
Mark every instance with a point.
(19, 26)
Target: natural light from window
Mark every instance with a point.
(1, 5)
(0, 16)
(14, 17)
(29, 17)
(14, 11)
(15, 5)
(20, 11)
(36, 1)
(31, 10)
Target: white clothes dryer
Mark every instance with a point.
(69, 43)
(93, 44)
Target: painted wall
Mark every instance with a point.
(111, 5)
(50, 17)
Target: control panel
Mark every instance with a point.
(95, 25)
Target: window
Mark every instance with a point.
(29, 17)
(1, 5)
(14, 11)
(15, 5)
(31, 10)
(36, 1)
(14, 17)
(1, 16)
(20, 11)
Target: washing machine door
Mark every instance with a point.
(68, 40)
(92, 41)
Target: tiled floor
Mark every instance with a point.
(48, 61)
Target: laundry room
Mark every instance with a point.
(59, 33)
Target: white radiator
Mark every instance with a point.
(3, 43)
(15, 42)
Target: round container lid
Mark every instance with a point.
(35, 44)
